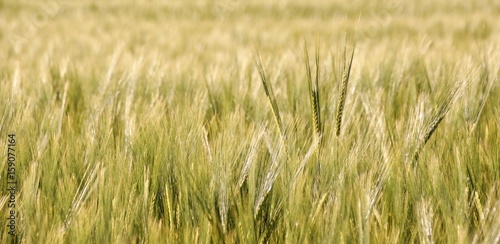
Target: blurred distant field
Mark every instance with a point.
(149, 121)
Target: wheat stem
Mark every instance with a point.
(316, 112)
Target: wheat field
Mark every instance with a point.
(230, 121)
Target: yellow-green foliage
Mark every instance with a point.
(148, 121)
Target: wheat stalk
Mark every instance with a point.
(431, 128)
(270, 94)
(343, 90)
(316, 113)
(314, 94)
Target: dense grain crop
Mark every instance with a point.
(208, 121)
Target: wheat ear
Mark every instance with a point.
(343, 90)
(431, 128)
(270, 95)
(314, 94)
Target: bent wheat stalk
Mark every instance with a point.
(270, 95)
(431, 128)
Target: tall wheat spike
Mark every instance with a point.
(270, 95)
(343, 90)
(316, 113)
(314, 94)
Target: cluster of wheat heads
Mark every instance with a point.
(426, 131)
(314, 97)
(313, 92)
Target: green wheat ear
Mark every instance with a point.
(343, 90)
(314, 93)
(270, 94)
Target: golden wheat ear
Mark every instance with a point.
(343, 90)
(270, 94)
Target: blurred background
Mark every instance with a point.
(206, 30)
